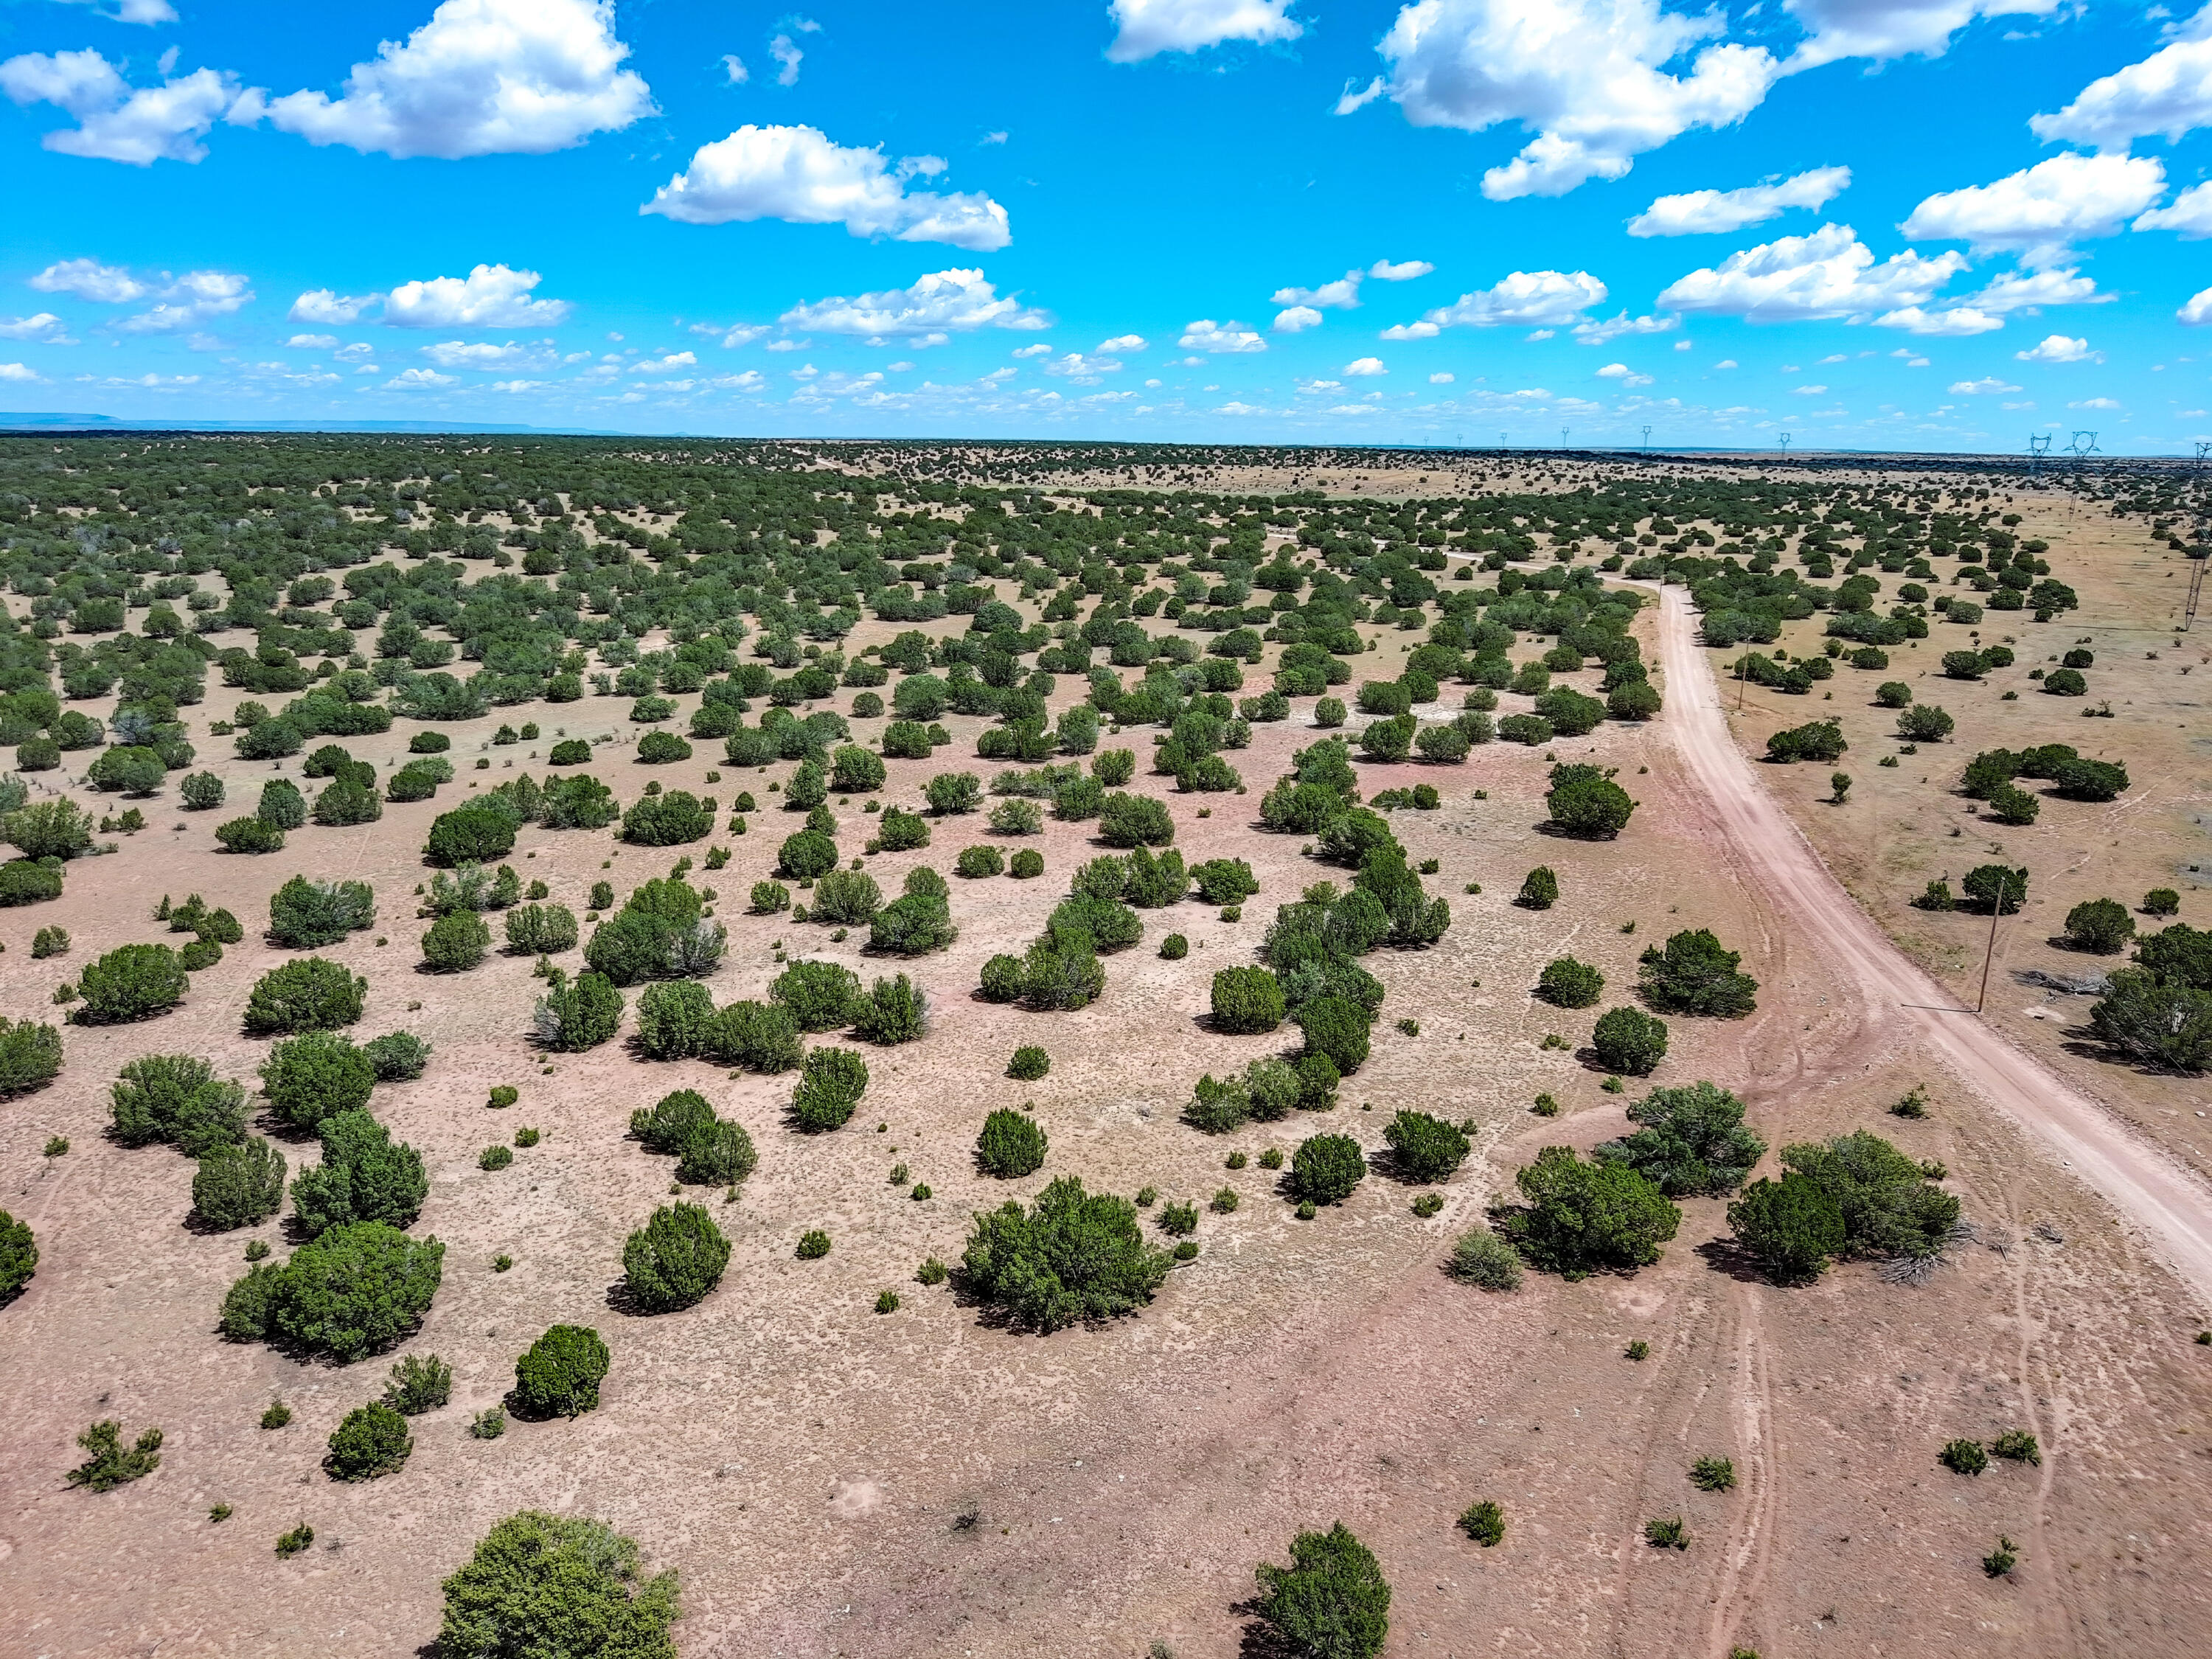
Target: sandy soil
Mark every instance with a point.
(831, 1481)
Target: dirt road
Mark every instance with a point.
(2173, 1209)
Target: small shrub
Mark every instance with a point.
(2162, 902)
(314, 1076)
(277, 1415)
(1175, 947)
(831, 1084)
(2102, 925)
(455, 942)
(238, 1185)
(675, 1258)
(975, 862)
(561, 1374)
(813, 1244)
(1247, 1000)
(502, 1095)
(1567, 983)
(310, 994)
(1713, 1474)
(30, 1056)
(1630, 1041)
(1026, 864)
(419, 1383)
(1668, 1534)
(1071, 1258)
(2019, 1445)
(131, 982)
(1010, 1144)
(1029, 1064)
(1964, 1458)
(494, 1157)
(1425, 1149)
(1331, 1602)
(932, 1272)
(1485, 1523)
(294, 1542)
(1326, 1168)
(1486, 1260)
(373, 1440)
(2001, 1560)
(49, 942)
(107, 1465)
(1540, 890)
(1581, 1218)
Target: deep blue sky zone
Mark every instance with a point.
(1141, 197)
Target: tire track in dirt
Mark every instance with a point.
(2151, 1192)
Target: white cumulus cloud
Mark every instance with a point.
(1360, 365)
(1206, 334)
(1440, 378)
(20, 372)
(41, 326)
(2197, 310)
(1520, 298)
(1987, 383)
(1700, 212)
(1893, 28)
(1122, 344)
(1950, 322)
(937, 305)
(1144, 28)
(1296, 319)
(489, 296)
(2059, 349)
(181, 302)
(1342, 294)
(1588, 77)
(2169, 93)
(1384, 271)
(314, 341)
(2040, 212)
(418, 379)
(1830, 273)
(462, 354)
(1598, 331)
(134, 11)
(1624, 373)
(117, 122)
(667, 364)
(1039, 349)
(798, 175)
(2094, 403)
(2189, 214)
(482, 77)
(322, 304)
(2023, 290)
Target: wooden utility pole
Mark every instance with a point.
(2004, 889)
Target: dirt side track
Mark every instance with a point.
(2149, 1189)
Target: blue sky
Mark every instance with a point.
(1867, 223)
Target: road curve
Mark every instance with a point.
(2165, 1201)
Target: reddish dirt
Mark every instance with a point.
(829, 1481)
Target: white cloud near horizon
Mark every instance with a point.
(2059, 349)
(935, 305)
(799, 175)
(43, 326)
(1144, 28)
(480, 77)
(1702, 212)
(1520, 299)
(1232, 337)
(179, 301)
(489, 296)
(1827, 274)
